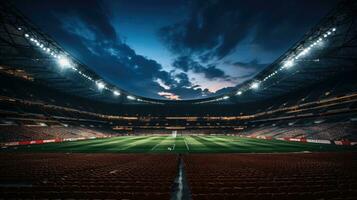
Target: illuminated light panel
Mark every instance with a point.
(239, 93)
(130, 97)
(255, 85)
(116, 93)
(288, 63)
(64, 62)
(100, 85)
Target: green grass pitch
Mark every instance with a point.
(179, 144)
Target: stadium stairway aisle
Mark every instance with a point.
(272, 176)
(181, 190)
(87, 176)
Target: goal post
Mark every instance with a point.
(174, 133)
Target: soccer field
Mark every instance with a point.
(180, 144)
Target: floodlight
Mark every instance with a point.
(116, 93)
(100, 85)
(26, 35)
(254, 85)
(288, 63)
(226, 97)
(130, 97)
(239, 92)
(63, 62)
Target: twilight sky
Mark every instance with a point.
(176, 49)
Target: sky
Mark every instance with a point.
(176, 49)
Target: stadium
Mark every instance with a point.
(288, 132)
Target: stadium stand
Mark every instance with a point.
(301, 176)
(86, 176)
(26, 133)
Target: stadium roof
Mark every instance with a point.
(327, 49)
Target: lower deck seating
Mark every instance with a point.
(25, 133)
(86, 176)
(272, 176)
(328, 131)
(151, 176)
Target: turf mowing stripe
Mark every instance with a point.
(137, 145)
(258, 145)
(194, 144)
(216, 141)
(166, 137)
(69, 144)
(166, 145)
(112, 145)
(104, 146)
(211, 145)
(113, 141)
(184, 138)
(180, 144)
(234, 144)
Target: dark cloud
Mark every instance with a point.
(214, 28)
(254, 65)
(213, 31)
(186, 63)
(84, 29)
(225, 90)
(183, 80)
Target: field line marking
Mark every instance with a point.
(154, 147)
(140, 141)
(184, 139)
